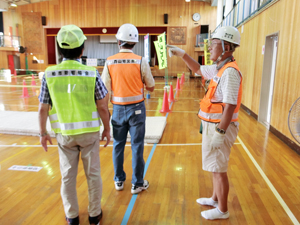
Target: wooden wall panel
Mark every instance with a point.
(113, 13)
(282, 17)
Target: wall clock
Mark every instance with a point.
(196, 17)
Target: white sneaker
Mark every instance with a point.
(119, 185)
(137, 189)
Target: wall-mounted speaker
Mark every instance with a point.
(44, 20)
(166, 18)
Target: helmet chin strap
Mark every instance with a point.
(123, 43)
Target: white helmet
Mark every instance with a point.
(229, 34)
(128, 33)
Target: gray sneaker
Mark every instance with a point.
(119, 185)
(137, 189)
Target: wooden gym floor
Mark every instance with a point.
(264, 173)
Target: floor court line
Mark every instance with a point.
(17, 153)
(21, 85)
(281, 201)
(150, 144)
(134, 197)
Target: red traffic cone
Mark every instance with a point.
(182, 78)
(178, 84)
(25, 91)
(165, 106)
(171, 95)
(33, 81)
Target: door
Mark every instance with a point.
(268, 78)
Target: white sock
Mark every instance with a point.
(207, 201)
(214, 214)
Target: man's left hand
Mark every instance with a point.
(44, 140)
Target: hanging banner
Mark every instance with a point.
(160, 47)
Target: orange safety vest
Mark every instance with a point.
(212, 111)
(126, 79)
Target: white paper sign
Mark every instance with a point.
(91, 62)
(5, 75)
(146, 48)
(26, 168)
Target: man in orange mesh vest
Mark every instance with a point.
(219, 113)
(125, 75)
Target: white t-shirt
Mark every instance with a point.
(228, 88)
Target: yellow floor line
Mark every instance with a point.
(281, 201)
(18, 152)
(146, 144)
(3, 85)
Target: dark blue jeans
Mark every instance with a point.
(130, 118)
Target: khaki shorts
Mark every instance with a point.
(217, 160)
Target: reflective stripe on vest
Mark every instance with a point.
(215, 116)
(127, 99)
(212, 111)
(54, 117)
(127, 86)
(76, 125)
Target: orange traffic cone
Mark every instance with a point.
(171, 95)
(25, 91)
(182, 78)
(33, 81)
(178, 84)
(165, 106)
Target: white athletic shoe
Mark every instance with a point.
(119, 185)
(137, 189)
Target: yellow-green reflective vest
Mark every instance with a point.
(72, 89)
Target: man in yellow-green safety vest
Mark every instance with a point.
(77, 99)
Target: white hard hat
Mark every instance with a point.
(229, 34)
(128, 32)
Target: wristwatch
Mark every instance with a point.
(221, 131)
(44, 134)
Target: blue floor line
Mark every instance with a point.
(133, 198)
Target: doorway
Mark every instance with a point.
(268, 78)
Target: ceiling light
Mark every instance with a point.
(187, 0)
(13, 5)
